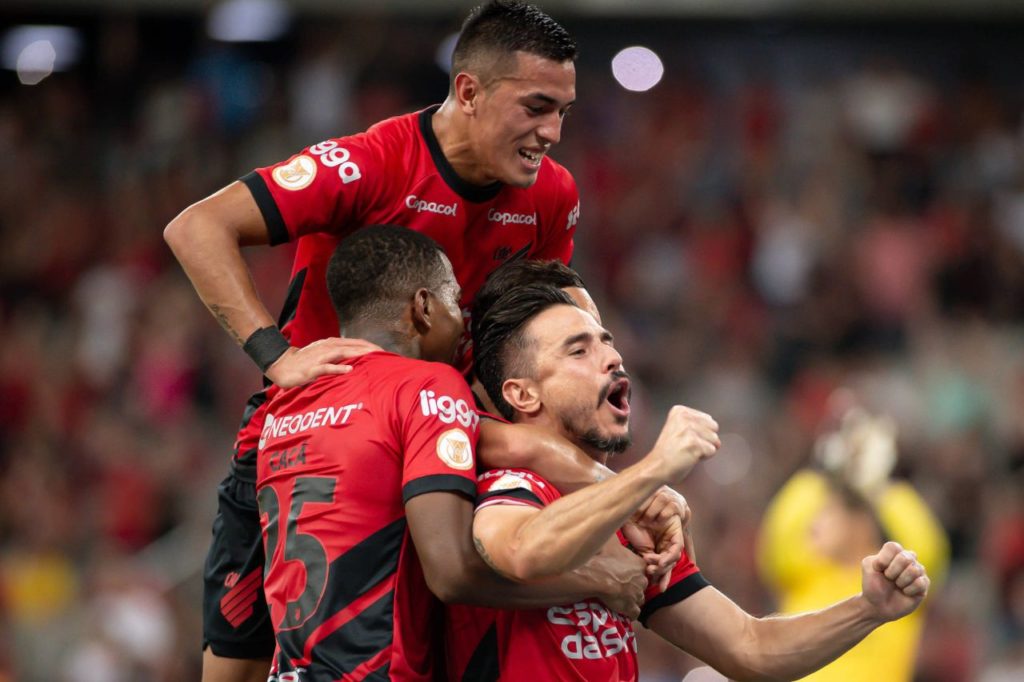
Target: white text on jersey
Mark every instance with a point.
(506, 218)
(413, 201)
(331, 155)
(291, 424)
(447, 409)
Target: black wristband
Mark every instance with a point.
(265, 346)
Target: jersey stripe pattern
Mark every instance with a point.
(581, 641)
(338, 460)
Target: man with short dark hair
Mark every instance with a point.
(473, 173)
(550, 364)
(365, 480)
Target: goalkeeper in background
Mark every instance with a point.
(823, 521)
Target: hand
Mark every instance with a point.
(300, 366)
(687, 437)
(622, 573)
(893, 581)
(656, 533)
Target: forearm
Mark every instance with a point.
(791, 647)
(569, 531)
(206, 238)
(481, 586)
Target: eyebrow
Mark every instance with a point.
(605, 336)
(548, 99)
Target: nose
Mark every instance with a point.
(550, 129)
(613, 361)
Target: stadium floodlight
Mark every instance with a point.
(637, 68)
(248, 21)
(36, 51)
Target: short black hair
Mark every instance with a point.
(499, 28)
(378, 268)
(517, 273)
(500, 343)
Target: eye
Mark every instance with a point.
(536, 111)
(578, 351)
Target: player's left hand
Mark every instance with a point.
(657, 533)
(894, 582)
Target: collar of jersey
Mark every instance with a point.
(466, 190)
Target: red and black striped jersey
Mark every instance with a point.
(337, 461)
(581, 641)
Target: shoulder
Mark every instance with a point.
(556, 179)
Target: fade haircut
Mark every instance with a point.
(496, 30)
(377, 269)
(501, 346)
(517, 273)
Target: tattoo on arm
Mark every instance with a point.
(223, 320)
(486, 557)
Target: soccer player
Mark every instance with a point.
(546, 362)
(473, 173)
(348, 463)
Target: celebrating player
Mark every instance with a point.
(473, 173)
(347, 463)
(546, 362)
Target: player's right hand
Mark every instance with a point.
(299, 366)
(688, 437)
(623, 574)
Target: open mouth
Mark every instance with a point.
(532, 157)
(617, 396)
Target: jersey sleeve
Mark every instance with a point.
(517, 487)
(686, 580)
(559, 229)
(324, 188)
(439, 436)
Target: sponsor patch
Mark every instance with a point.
(295, 175)
(455, 449)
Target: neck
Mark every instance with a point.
(541, 420)
(452, 132)
(390, 340)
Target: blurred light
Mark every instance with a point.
(35, 52)
(704, 675)
(443, 56)
(732, 462)
(248, 21)
(637, 68)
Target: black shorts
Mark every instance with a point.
(236, 621)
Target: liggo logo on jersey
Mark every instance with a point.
(420, 205)
(448, 410)
(334, 156)
(506, 218)
(291, 424)
(574, 217)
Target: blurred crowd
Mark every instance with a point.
(790, 212)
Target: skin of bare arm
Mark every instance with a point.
(440, 527)
(207, 239)
(711, 627)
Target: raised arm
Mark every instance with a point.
(527, 543)
(711, 627)
(207, 239)
(440, 527)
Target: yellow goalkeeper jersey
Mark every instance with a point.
(805, 580)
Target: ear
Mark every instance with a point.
(467, 89)
(522, 394)
(421, 308)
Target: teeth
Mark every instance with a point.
(529, 155)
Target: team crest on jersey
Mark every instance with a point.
(297, 174)
(455, 449)
(510, 482)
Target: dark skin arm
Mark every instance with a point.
(440, 524)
